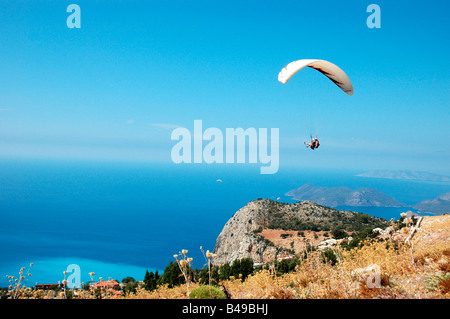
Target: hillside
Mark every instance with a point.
(264, 229)
(410, 261)
(406, 175)
(439, 205)
(344, 196)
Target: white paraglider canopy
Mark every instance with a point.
(330, 70)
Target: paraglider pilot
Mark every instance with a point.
(314, 143)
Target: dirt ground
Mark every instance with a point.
(299, 242)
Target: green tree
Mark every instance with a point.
(225, 272)
(130, 284)
(243, 267)
(126, 280)
(203, 276)
(215, 274)
(172, 275)
(150, 280)
(246, 267)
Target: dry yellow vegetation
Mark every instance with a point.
(419, 269)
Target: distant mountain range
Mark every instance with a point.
(439, 205)
(344, 196)
(364, 197)
(406, 174)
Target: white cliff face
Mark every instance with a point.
(239, 239)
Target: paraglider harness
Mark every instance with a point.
(316, 143)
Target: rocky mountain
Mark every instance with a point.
(439, 205)
(407, 175)
(344, 196)
(264, 229)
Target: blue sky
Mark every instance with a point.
(114, 89)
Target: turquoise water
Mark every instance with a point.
(120, 219)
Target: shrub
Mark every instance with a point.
(203, 292)
(359, 238)
(328, 256)
(258, 230)
(339, 233)
(130, 284)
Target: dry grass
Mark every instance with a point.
(398, 277)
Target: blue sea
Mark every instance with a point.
(120, 219)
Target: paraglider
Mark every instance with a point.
(330, 70)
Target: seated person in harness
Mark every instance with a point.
(314, 143)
